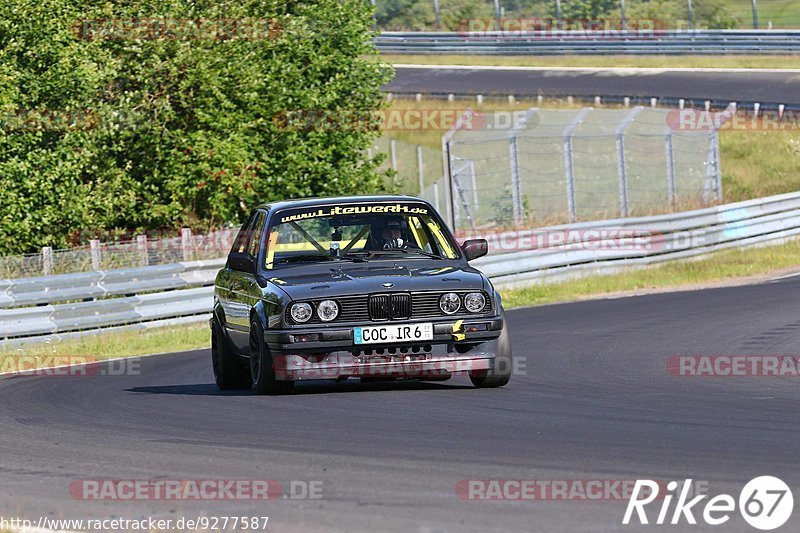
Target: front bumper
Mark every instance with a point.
(334, 355)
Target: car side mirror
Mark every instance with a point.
(241, 262)
(475, 248)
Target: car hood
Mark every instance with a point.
(302, 282)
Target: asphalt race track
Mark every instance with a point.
(596, 403)
(718, 86)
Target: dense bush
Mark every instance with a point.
(159, 130)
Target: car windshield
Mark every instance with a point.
(357, 232)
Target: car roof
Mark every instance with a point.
(335, 200)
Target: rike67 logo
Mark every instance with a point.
(765, 502)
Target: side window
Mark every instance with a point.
(241, 241)
(255, 233)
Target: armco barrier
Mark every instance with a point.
(663, 237)
(65, 305)
(674, 42)
(55, 305)
(101, 284)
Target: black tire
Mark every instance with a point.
(230, 371)
(500, 373)
(262, 372)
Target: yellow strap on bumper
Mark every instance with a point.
(458, 335)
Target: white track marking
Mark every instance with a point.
(620, 70)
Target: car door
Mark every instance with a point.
(227, 278)
(244, 290)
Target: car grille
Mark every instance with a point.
(396, 306)
(389, 306)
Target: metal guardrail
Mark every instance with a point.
(553, 42)
(68, 304)
(103, 284)
(647, 240)
(90, 300)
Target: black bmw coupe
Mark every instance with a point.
(369, 287)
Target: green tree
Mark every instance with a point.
(664, 11)
(588, 9)
(714, 14)
(179, 128)
(418, 15)
(405, 15)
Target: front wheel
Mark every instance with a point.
(230, 373)
(262, 370)
(500, 373)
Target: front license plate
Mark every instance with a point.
(393, 333)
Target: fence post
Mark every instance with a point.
(420, 171)
(447, 166)
(448, 183)
(622, 170)
(186, 243)
(459, 189)
(670, 155)
(712, 187)
(622, 176)
(47, 260)
(141, 246)
(558, 13)
(718, 165)
(569, 161)
(473, 178)
(513, 158)
(436, 195)
(94, 246)
(393, 154)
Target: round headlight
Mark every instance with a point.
(301, 312)
(327, 310)
(474, 302)
(449, 303)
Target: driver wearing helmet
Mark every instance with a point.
(388, 233)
